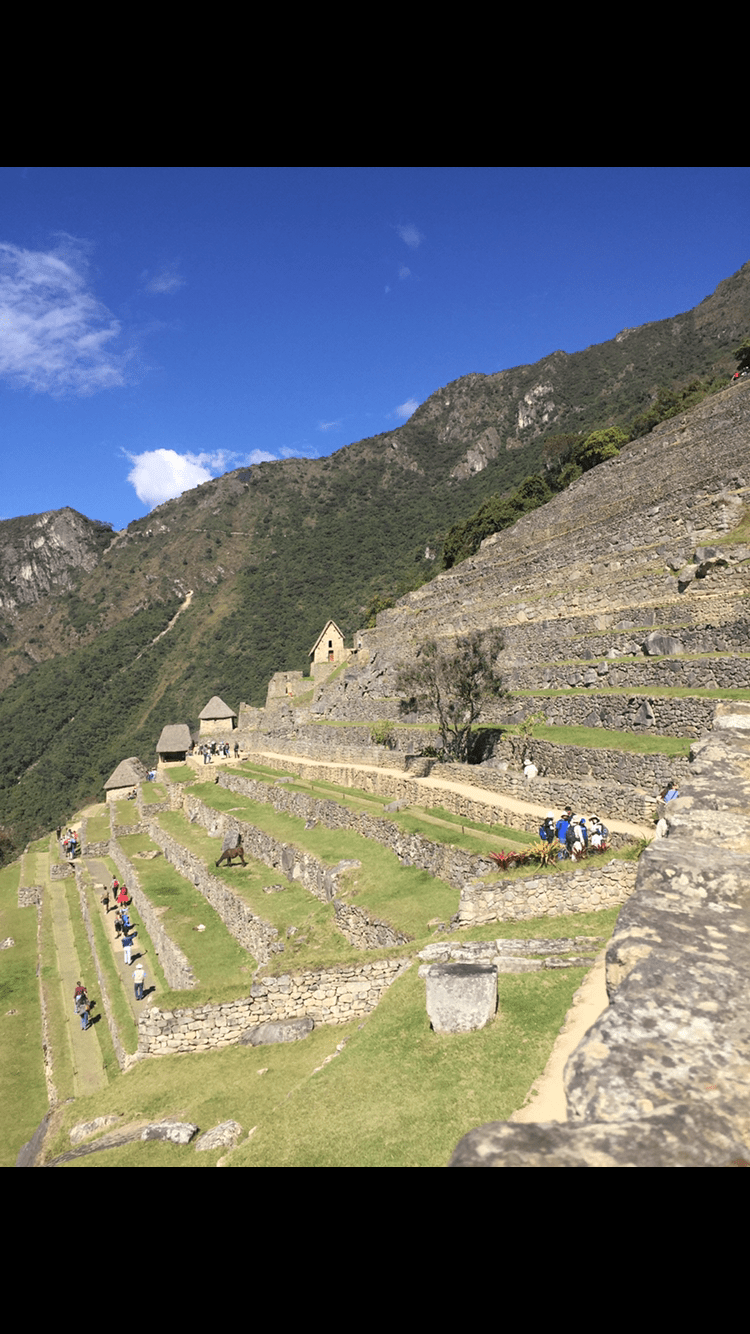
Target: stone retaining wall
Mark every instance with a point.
(363, 931)
(588, 889)
(100, 849)
(648, 674)
(333, 996)
(414, 793)
(61, 870)
(664, 715)
(176, 967)
(584, 763)
(320, 879)
(30, 896)
(259, 938)
(599, 797)
(441, 860)
(661, 1078)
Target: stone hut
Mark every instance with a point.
(328, 649)
(217, 717)
(174, 743)
(125, 779)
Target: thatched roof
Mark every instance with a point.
(216, 708)
(323, 634)
(174, 737)
(127, 774)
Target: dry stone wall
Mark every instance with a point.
(333, 996)
(253, 934)
(582, 890)
(441, 860)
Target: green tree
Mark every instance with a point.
(455, 684)
(742, 353)
(598, 447)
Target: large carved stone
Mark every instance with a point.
(461, 997)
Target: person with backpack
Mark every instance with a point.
(547, 830)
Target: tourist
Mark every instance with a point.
(105, 900)
(127, 944)
(139, 978)
(79, 995)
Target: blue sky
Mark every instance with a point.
(162, 325)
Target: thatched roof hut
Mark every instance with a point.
(217, 716)
(126, 777)
(174, 742)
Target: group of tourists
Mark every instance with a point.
(124, 928)
(574, 834)
(69, 842)
(217, 748)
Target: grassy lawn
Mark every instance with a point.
(315, 943)
(602, 738)
(87, 970)
(98, 827)
(24, 1091)
(180, 773)
(57, 1019)
(151, 792)
(262, 772)
(397, 1095)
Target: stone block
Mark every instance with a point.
(461, 997)
(289, 1031)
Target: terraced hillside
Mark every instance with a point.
(317, 937)
(628, 587)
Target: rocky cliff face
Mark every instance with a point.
(43, 552)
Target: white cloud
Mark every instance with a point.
(256, 456)
(328, 426)
(410, 235)
(404, 272)
(405, 410)
(55, 337)
(164, 283)
(162, 474)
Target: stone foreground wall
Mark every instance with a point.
(333, 996)
(589, 890)
(663, 1077)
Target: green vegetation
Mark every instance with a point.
(634, 743)
(397, 1094)
(98, 827)
(219, 962)
(456, 685)
(24, 1097)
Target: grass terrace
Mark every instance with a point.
(396, 1095)
(24, 1099)
(223, 969)
(404, 896)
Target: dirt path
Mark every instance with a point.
(545, 1100)
(468, 790)
(100, 875)
(88, 1066)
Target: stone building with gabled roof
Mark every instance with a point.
(125, 779)
(328, 649)
(217, 717)
(174, 743)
